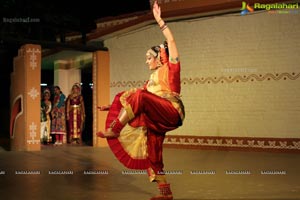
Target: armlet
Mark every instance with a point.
(174, 60)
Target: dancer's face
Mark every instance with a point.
(56, 90)
(151, 61)
(46, 96)
(75, 90)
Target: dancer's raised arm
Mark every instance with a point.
(173, 52)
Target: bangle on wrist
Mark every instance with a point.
(163, 27)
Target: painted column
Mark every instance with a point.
(101, 93)
(25, 99)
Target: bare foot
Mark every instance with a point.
(107, 134)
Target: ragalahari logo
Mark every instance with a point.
(246, 8)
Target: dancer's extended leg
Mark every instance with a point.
(116, 126)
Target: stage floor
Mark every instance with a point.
(71, 172)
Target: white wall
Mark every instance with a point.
(261, 51)
(65, 77)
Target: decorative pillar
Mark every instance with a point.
(101, 93)
(25, 99)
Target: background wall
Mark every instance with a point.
(240, 74)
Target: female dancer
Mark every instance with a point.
(138, 119)
(75, 114)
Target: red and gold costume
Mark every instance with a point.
(153, 111)
(75, 116)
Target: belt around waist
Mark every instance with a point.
(75, 106)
